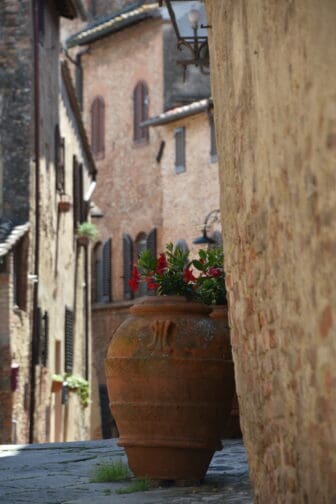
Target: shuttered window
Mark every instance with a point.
(98, 127)
(79, 205)
(20, 271)
(140, 112)
(106, 271)
(68, 340)
(213, 145)
(97, 280)
(44, 341)
(151, 241)
(180, 164)
(127, 265)
(59, 160)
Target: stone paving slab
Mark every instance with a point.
(59, 473)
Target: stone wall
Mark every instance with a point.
(274, 81)
(16, 105)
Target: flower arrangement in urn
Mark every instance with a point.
(172, 273)
(169, 340)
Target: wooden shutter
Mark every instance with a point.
(151, 241)
(127, 264)
(68, 341)
(213, 145)
(98, 127)
(140, 112)
(180, 150)
(38, 336)
(98, 274)
(44, 340)
(79, 207)
(59, 159)
(82, 206)
(107, 270)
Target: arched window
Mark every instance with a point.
(140, 112)
(98, 127)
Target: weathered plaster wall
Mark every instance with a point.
(274, 82)
(188, 196)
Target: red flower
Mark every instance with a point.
(161, 264)
(188, 276)
(134, 280)
(215, 272)
(152, 285)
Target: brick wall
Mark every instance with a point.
(5, 359)
(129, 184)
(274, 81)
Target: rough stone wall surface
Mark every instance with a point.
(16, 102)
(129, 184)
(5, 368)
(188, 196)
(274, 81)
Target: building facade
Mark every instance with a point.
(141, 201)
(45, 323)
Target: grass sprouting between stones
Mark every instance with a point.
(141, 485)
(109, 472)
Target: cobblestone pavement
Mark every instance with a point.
(59, 473)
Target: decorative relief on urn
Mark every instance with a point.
(161, 330)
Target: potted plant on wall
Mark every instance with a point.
(86, 231)
(56, 383)
(64, 203)
(73, 384)
(165, 364)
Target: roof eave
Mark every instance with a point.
(159, 121)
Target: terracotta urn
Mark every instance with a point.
(231, 425)
(170, 387)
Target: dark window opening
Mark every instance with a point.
(59, 160)
(180, 162)
(44, 340)
(98, 127)
(80, 208)
(140, 112)
(20, 272)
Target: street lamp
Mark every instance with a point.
(211, 218)
(191, 33)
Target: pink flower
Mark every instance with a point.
(161, 264)
(215, 272)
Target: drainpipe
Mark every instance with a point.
(33, 351)
(87, 308)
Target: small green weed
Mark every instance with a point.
(141, 485)
(115, 471)
(107, 491)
